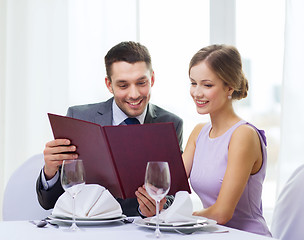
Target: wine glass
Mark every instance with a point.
(157, 184)
(72, 181)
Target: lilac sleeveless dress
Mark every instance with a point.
(208, 170)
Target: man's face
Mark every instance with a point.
(131, 86)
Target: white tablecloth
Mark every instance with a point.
(16, 230)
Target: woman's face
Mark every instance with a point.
(209, 92)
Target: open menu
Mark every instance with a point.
(116, 156)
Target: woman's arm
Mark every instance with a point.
(190, 148)
(244, 158)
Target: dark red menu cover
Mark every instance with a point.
(116, 156)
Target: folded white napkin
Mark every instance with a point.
(93, 201)
(180, 212)
(181, 209)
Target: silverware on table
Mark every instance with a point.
(128, 220)
(191, 231)
(42, 223)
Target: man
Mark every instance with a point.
(129, 78)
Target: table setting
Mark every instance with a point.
(16, 230)
(94, 205)
(178, 217)
(90, 211)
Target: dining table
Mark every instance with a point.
(16, 230)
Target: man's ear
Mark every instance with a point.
(109, 84)
(152, 79)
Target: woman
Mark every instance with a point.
(225, 159)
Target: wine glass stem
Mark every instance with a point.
(73, 209)
(74, 226)
(157, 231)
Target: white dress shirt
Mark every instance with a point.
(119, 116)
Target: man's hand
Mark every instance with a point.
(54, 153)
(147, 205)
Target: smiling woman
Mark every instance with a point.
(194, 24)
(225, 159)
(206, 87)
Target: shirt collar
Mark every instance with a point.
(119, 116)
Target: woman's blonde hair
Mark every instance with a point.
(226, 63)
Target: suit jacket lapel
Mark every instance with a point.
(151, 114)
(105, 113)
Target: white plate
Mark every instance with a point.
(142, 223)
(88, 221)
(198, 220)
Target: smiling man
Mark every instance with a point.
(130, 78)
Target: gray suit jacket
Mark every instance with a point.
(101, 113)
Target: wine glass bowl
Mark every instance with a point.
(72, 181)
(157, 184)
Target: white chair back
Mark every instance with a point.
(288, 215)
(20, 199)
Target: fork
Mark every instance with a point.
(191, 231)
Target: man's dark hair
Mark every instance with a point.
(130, 52)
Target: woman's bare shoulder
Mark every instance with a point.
(198, 127)
(196, 131)
(245, 133)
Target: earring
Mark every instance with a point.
(229, 97)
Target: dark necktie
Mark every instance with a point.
(129, 121)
